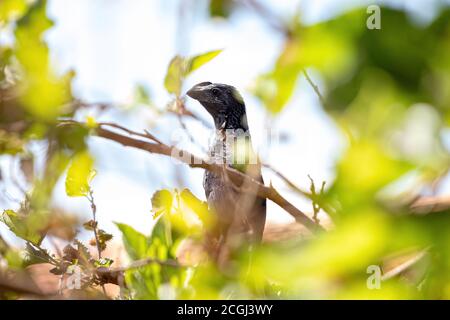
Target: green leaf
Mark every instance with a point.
(42, 191)
(275, 88)
(44, 93)
(79, 175)
(195, 62)
(134, 241)
(14, 259)
(28, 227)
(363, 171)
(333, 56)
(198, 207)
(12, 9)
(36, 255)
(142, 95)
(175, 75)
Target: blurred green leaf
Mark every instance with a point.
(12, 9)
(161, 245)
(221, 8)
(333, 55)
(161, 203)
(186, 213)
(29, 227)
(43, 187)
(142, 95)
(180, 67)
(44, 93)
(198, 207)
(10, 143)
(340, 253)
(362, 172)
(175, 75)
(14, 259)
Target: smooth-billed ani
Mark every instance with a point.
(241, 216)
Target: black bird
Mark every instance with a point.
(241, 216)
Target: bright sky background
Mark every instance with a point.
(115, 44)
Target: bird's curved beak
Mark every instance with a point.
(199, 91)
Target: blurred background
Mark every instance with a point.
(370, 117)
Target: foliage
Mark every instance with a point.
(387, 92)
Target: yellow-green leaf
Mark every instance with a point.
(198, 207)
(180, 67)
(29, 227)
(161, 202)
(44, 93)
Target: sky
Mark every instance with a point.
(113, 45)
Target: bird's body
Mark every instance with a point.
(241, 216)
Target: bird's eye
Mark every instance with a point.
(215, 91)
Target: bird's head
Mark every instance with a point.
(223, 102)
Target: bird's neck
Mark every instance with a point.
(231, 121)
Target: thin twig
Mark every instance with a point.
(300, 191)
(90, 197)
(289, 182)
(315, 88)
